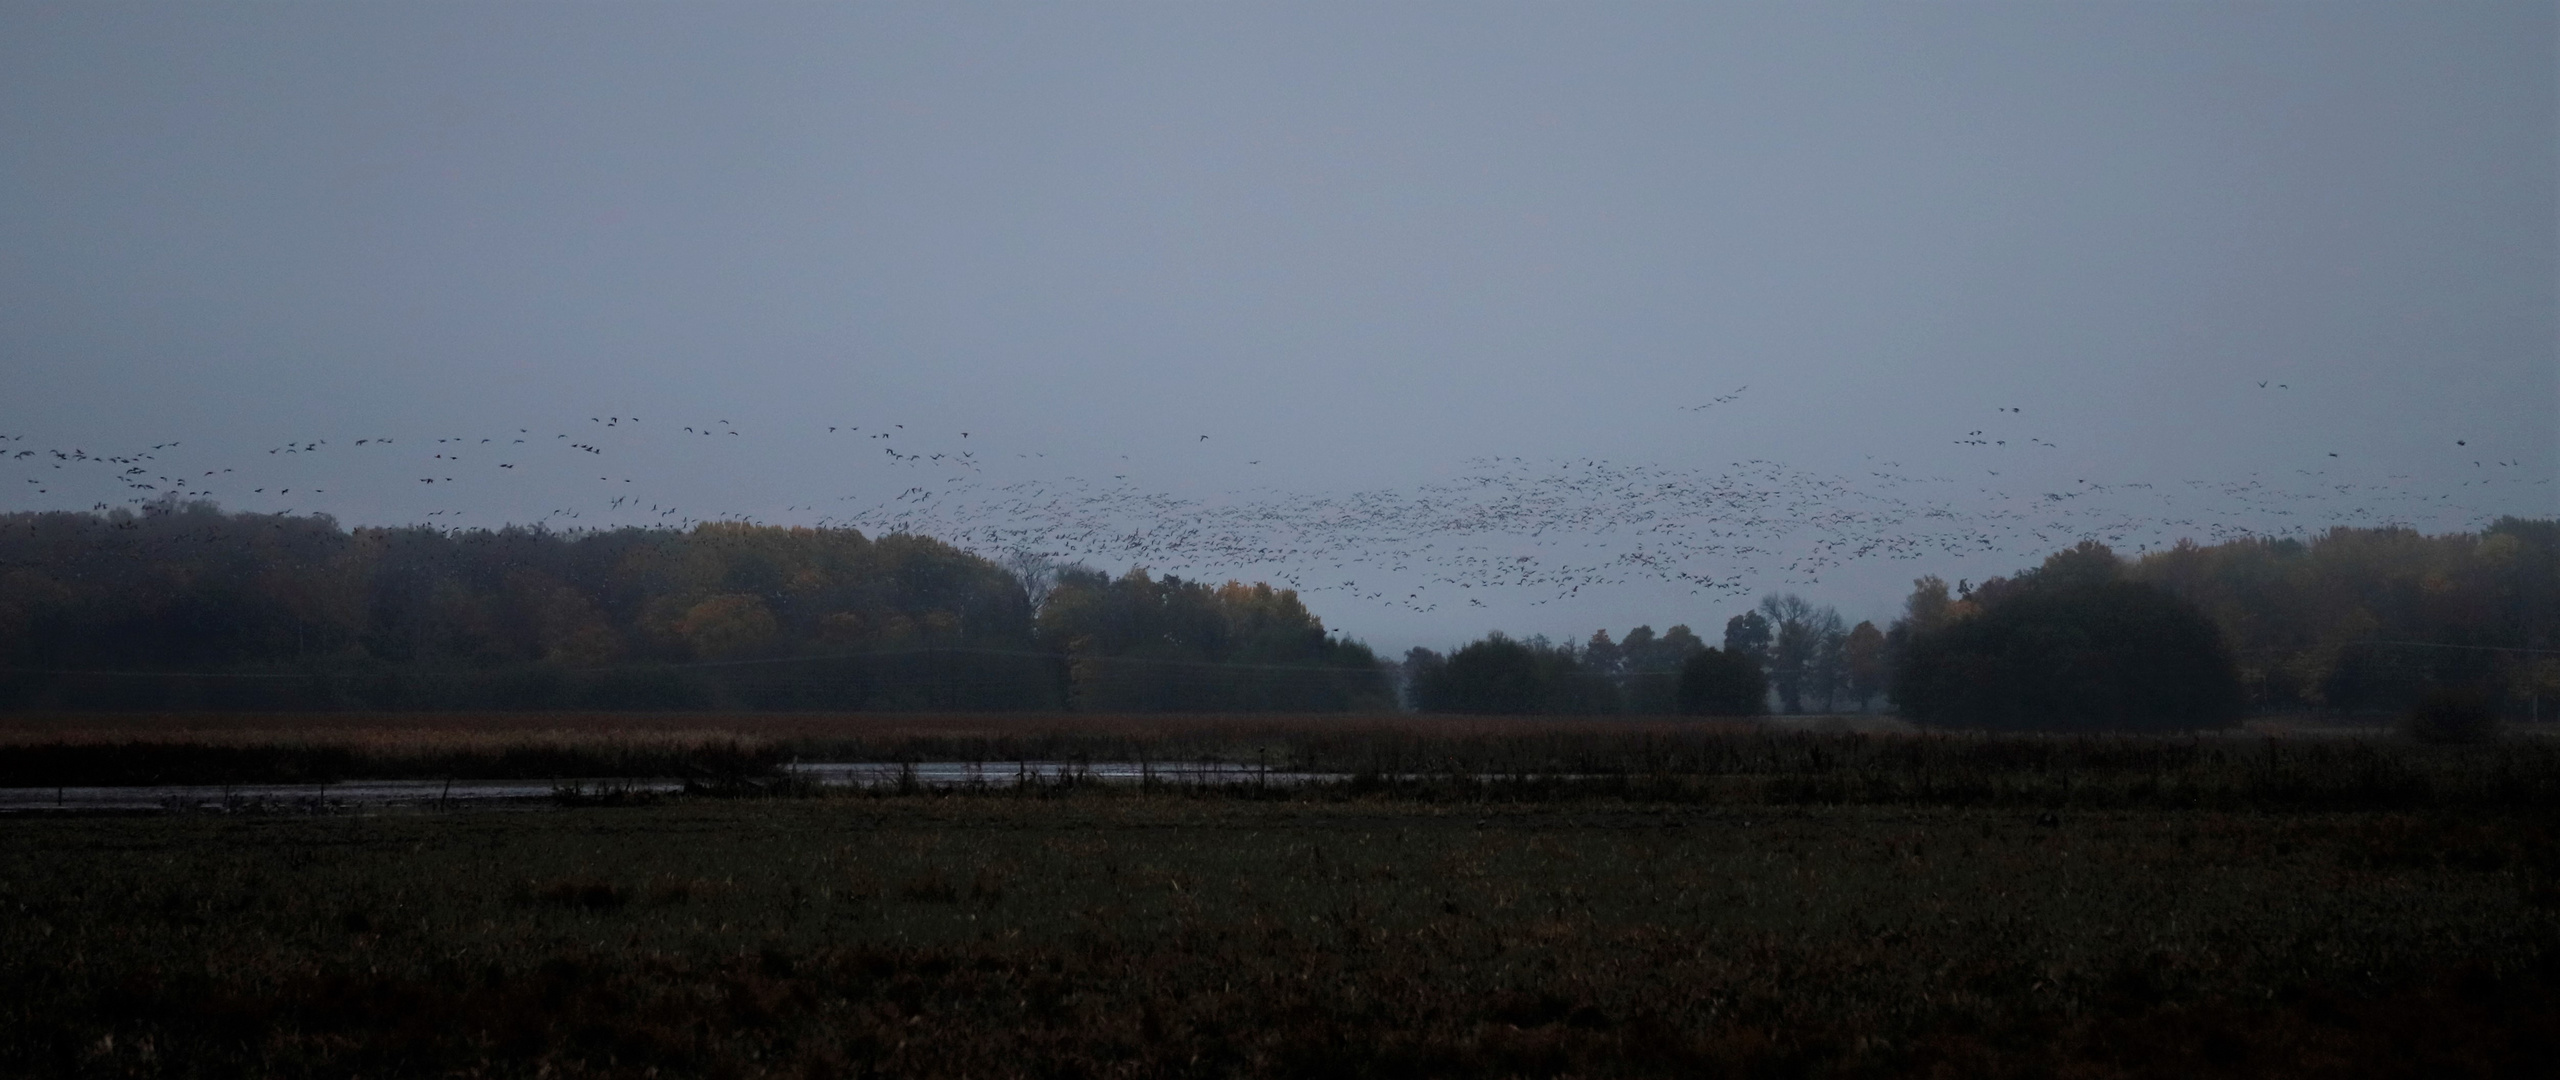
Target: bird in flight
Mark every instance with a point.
(1719, 401)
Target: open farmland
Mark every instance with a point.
(1827, 904)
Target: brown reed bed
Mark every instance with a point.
(184, 747)
(37, 728)
(1426, 758)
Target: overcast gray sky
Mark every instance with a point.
(1365, 249)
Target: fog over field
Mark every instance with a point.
(1453, 317)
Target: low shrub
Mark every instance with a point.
(2451, 715)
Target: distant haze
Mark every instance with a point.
(1451, 290)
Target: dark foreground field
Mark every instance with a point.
(1320, 933)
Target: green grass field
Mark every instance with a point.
(1094, 933)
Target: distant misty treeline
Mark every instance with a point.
(1802, 656)
(184, 606)
(2353, 621)
(2368, 619)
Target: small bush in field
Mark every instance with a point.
(2452, 715)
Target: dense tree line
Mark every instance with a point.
(1640, 674)
(182, 605)
(1498, 674)
(1138, 643)
(1644, 674)
(2365, 620)
(2370, 621)
(2356, 620)
(1802, 654)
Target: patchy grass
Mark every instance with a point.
(1083, 934)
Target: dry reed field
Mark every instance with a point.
(173, 748)
(40, 727)
(1421, 756)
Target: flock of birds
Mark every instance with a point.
(1544, 530)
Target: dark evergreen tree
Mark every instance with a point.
(1864, 655)
(1602, 656)
(1505, 675)
(1495, 675)
(1144, 644)
(2074, 649)
(1748, 634)
(1648, 675)
(1718, 683)
(1426, 681)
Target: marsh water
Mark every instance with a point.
(354, 794)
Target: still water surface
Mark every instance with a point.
(358, 794)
